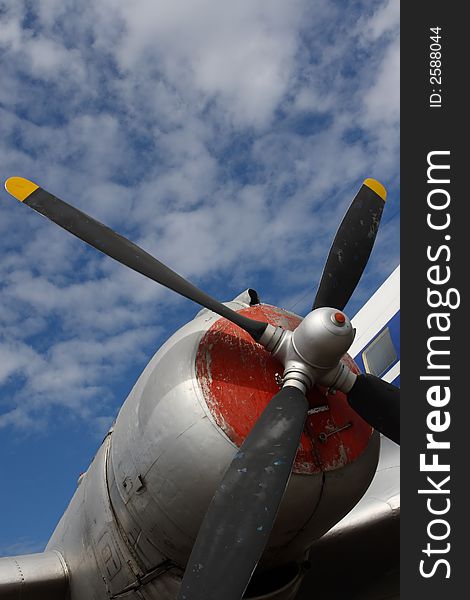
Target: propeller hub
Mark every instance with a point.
(312, 352)
(323, 337)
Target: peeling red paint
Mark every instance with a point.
(237, 380)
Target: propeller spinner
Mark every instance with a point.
(241, 515)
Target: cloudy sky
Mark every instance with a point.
(226, 138)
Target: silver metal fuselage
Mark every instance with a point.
(133, 519)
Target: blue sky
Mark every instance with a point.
(225, 138)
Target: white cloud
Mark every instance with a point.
(384, 21)
(227, 139)
(381, 102)
(239, 55)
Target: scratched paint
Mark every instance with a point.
(237, 378)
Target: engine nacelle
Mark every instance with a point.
(189, 412)
(132, 522)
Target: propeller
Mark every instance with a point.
(121, 249)
(378, 403)
(351, 247)
(241, 515)
(375, 400)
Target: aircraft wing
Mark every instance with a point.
(359, 557)
(381, 502)
(33, 576)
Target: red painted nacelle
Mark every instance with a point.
(175, 436)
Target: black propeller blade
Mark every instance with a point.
(241, 515)
(118, 247)
(351, 247)
(378, 403)
(375, 400)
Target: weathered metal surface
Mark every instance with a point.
(237, 377)
(33, 576)
(373, 526)
(168, 435)
(131, 524)
(88, 538)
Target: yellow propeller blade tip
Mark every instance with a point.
(20, 188)
(376, 187)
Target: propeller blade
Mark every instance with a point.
(351, 247)
(241, 515)
(118, 247)
(378, 403)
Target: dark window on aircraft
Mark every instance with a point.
(380, 354)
